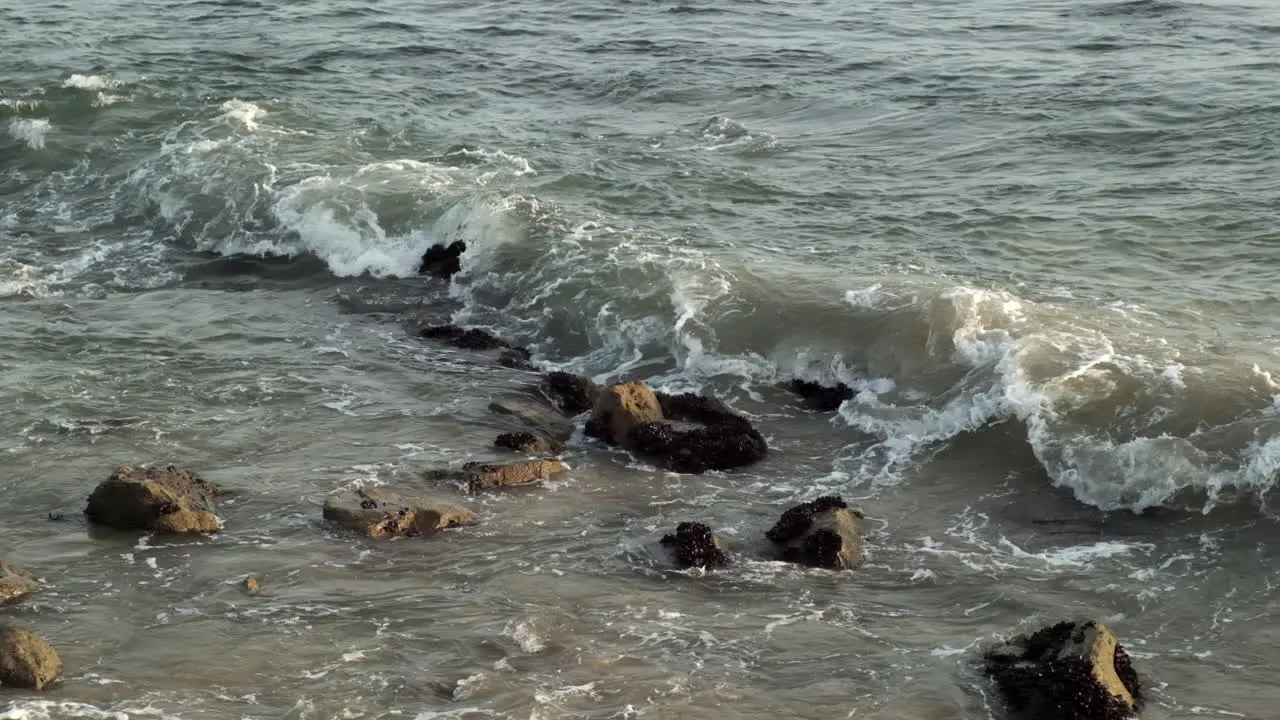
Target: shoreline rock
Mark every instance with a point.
(26, 660)
(477, 477)
(15, 583)
(168, 500)
(442, 261)
(822, 533)
(620, 409)
(381, 513)
(535, 415)
(528, 443)
(694, 545)
(1069, 671)
(819, 396)
(571, 394)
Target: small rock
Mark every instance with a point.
(517, 358)
(251, 586)
(821, 533)
(694, 545)
(26, 660)
(820, 396)
(381, 513)
(1070, 671)
(476, 477)
(534, 414)
(441, 261)
(166, 500)
(465, 338)
(622, 408)
(15, 583)
(572, 394)
(529, 443)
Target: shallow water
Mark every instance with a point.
(1037, 239)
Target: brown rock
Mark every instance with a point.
(160, 499)
(822, 533)
(530, 443)
(251, 586)
(620, 409)
(1070, 671)
(572, 394)
(26, 660)
(378, 512)
(15, 583)
(488, 476)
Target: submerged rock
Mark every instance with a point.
(533, 414)
(620, 409)
(517, 358)
(465, 338)
(1070, 671)
(15, 583)
(26, 660)
(821, 533)
(166, 500)
(476, 477)
(821, 396)
(572, 394)
(381, 513)
(442, 261)
(694, 545)
(530, 443)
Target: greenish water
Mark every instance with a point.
(1039, 239)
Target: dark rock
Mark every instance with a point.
(573, 394)
(620, 409)
(467, 339)
(533, 414)
(821, 396)
(160, 499)
(26, 660)
(530, 443)
(1070, 671)
(392, 514)
(15, 583)
(694, 545)
(477, 477)
(517, 359)
(821, 533)
(441, 261)
(714, 447)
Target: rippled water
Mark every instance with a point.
(1038, 238)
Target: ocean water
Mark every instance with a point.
(1039, 239)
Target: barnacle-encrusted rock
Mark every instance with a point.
(821, 396)
(15, 583)
(382, 513)
(165, 499)
(694, 545)
(487, 476)
(442, 261)
(822, 533)
(1070, 671)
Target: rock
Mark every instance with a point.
(251, 586)
(467, 339)
(572, 394)
(26, 660)
(821, 533)
(622, 408)
(166, 500)
(476, 477)
(530, 443)
(381, 513)
(1070, 671)
(694, 545)
(820, 396)
(441, 261)
(517, 359)
(534, 414)
(15, 583)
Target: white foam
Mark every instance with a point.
(525, 636)
(90, 82)
(245, 114)
(106, 100)
(32, 131)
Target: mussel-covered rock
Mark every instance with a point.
(821, 533)
(819, 396)
(572, 394)
(1070, 671)
(529, 443)
(15, 583)
(26, 660)
(442, 261)
(166, 499)
(381, 513)
(694, 545)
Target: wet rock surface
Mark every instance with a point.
(381, 513)
(532, 414)
(620, 409)
(822, 533)
(571, 394)
(464, 338)
(517, 358)
(442, 261)
(477, 477)
(819, 396)
(26, 660)
(166, 499)
(1070, 671)
(694, 545)
(529, 443)
(15, 583)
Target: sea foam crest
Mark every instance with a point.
(32, 131)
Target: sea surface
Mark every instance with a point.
(1040, 239)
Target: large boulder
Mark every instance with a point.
(529, 443)
(533, 414)
(622, 408)
(26, 660)
(15, 583)
(821, 533)
(381, 513)
(476, 477)
(819, 396)
(1070, 671)
(168, 500)
(442, 261)
(572, 394)
(694, 545)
